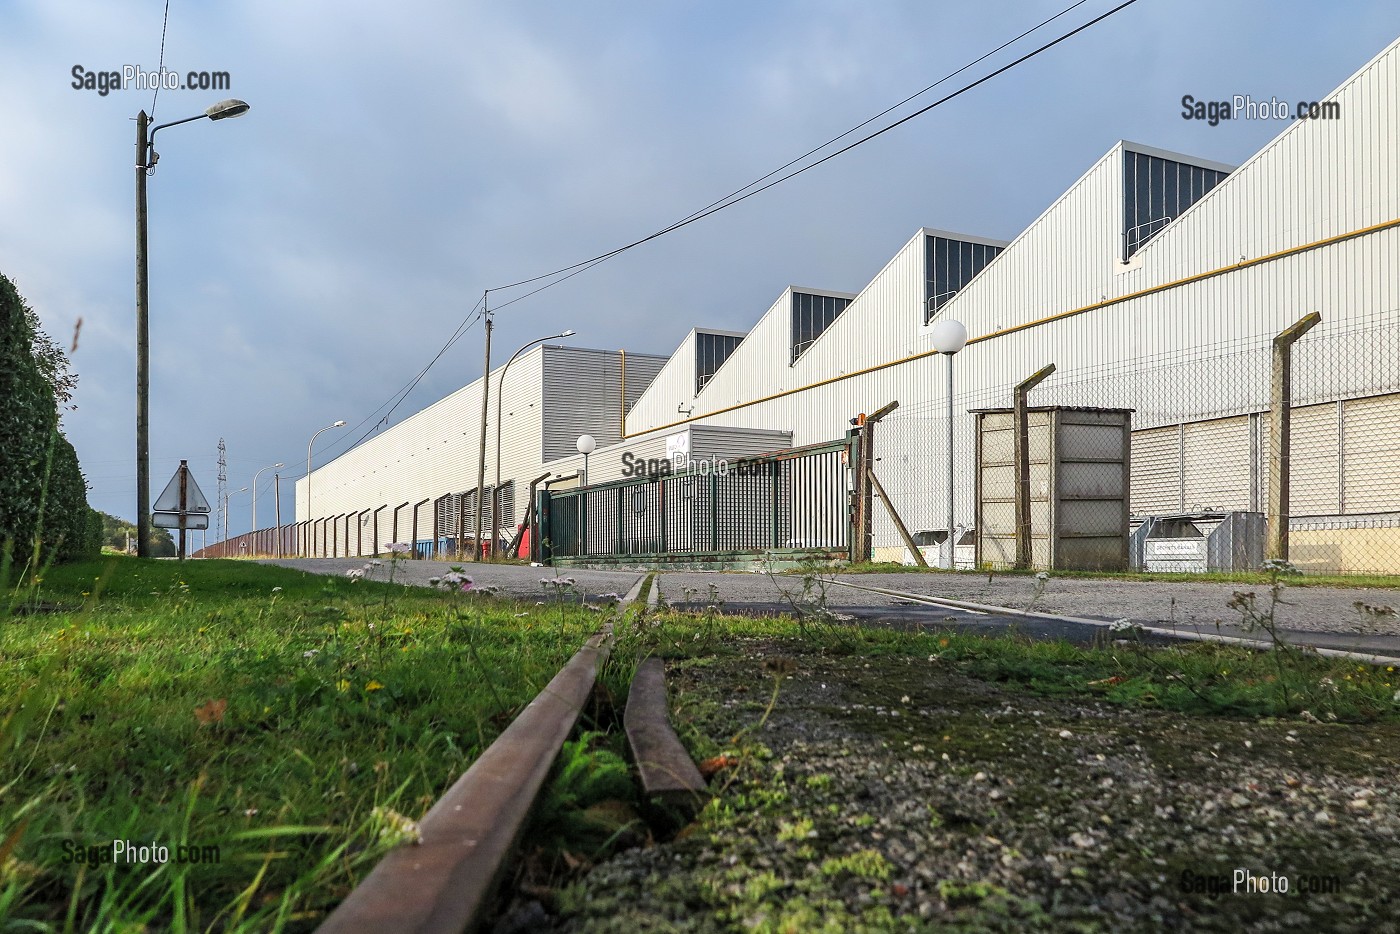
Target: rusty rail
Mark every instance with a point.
(442, 884)
(666, 769)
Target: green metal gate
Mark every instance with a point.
(792, 506)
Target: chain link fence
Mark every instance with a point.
(1200, 447)
(1199, 456)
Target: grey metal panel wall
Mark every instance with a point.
(1314, 481)
(1217, 465)
(719, 441)
(1369, 448)
(1156, 471)
(583, 395)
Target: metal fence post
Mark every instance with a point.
(417, 506)
(1021, 443)
(774, 489)
(661, 514)
(437, 526)
(539, 547)
(583, 523)
(714, 512)
(1280, 421)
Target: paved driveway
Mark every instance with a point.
(512, 579)
(1321, 616)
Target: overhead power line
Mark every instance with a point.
(735, 197)
(757, 186)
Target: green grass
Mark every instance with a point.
(287, 719)
(299, 723)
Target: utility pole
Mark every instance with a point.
(219, 495)
(143, 347)
(481, 460)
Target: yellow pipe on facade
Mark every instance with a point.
(1151, 290)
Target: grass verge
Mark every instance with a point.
(274, 732)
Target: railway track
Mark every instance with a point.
(446, 883)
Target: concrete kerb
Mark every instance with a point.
(635, 592)
(1184, 635)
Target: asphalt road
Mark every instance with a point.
(1319, 616)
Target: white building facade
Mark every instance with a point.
(1155, 282)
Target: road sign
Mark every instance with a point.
(171, 520)
(169, 500)
(181, 506)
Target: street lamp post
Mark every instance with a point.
(338, 423)
(255, 490)
(226, 499)
(146, 158)
(949, 336)
(500, 391)
(586, 446)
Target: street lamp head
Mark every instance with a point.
(949, 336)
(279, 464)
(339, 423)
(225, 109)
(569, 333)
(586, 444)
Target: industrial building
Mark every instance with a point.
(1155, 283)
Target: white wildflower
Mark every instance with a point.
(395, 828)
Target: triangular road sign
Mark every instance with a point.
(169, 499)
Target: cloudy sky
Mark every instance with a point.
(309, 258)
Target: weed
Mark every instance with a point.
(863, 864)
(810, 606)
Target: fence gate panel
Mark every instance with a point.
(794, 504)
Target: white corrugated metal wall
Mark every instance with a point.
(1316, 180)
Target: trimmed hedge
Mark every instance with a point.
(43, 494)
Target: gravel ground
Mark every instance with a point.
(512, 579)
(890, 793)
(1313, 609)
